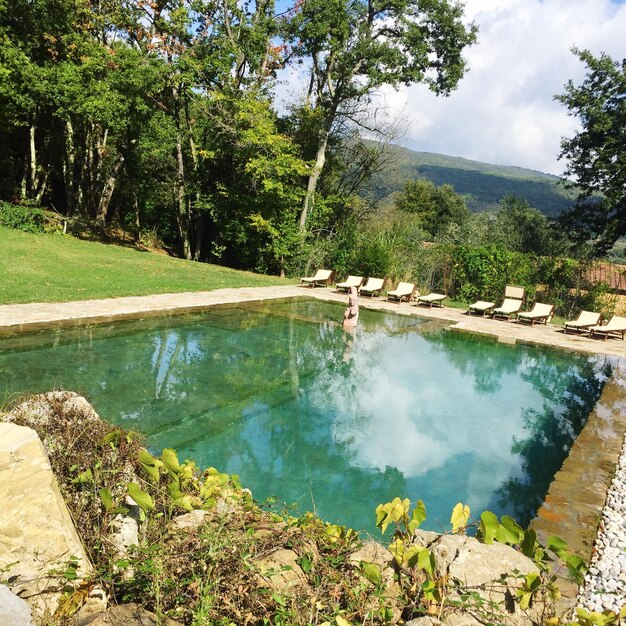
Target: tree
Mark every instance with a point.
(596, 155)
(354, 47)
(436, 207)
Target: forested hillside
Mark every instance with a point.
(482, 185)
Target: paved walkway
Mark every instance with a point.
(16, 318)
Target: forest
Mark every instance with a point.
(162, 119)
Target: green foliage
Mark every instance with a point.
(436, 207)
(28, 219)
(482, 272)
(595, 155)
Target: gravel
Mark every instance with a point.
(604, 587)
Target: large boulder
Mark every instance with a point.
(37, 534)
(492, 572)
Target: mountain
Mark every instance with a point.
(483, 185)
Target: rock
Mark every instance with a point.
(189, 521)
(36, 531)
(280, 571)
(478, 566)
(126, 615)
(374, 552)
(14, 610)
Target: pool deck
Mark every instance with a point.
(18, 318)
(576, 497)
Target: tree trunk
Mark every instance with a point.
(69, 161)
(320, 159)
(33, 160)
(109, 187)
(182, 216)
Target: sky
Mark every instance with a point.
(504, 111)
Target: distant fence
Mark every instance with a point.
(613, 275)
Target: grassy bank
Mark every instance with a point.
(57, 268)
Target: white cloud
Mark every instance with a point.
(504, 109)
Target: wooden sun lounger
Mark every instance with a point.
(481, 307)
(432, 299)
(585, 320)
(616, 325)
(321, 278)
(351, 281)
(513, 300)
(403, 290)
(540, 313)
(372, 287)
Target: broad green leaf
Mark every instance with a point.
(576, 566)
(419, 515)
(556, 544)
(524, 598)
(411, 555)
(150, 465)
(509, 531)
(532, 581)
(84, 477)
(142, 498)
(372, 572)
(107, 498)
(528, 543)
(426, 561)
(488, 526)
(460, 517)
(170, 459)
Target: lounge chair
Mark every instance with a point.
(513, 300)
(481, 307)
(403, 290)
(585, 320)
(432, 299)
(540, 313)
(616, 325)
(372, 287)
(351, 281)
(321, 278)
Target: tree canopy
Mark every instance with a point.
(596, 154)
(161, 116)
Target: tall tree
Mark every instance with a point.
(596, 155)
(354, 47)
(436, 207)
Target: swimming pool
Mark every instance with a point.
(332, 422)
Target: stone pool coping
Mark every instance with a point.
(19, 318)
(576, 496)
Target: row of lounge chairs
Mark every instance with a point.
(373, 287)
(511, 307)
(587, 321)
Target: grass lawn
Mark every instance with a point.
(58, 268)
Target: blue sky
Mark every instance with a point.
(504, 111)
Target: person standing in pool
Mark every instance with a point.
(351, 314)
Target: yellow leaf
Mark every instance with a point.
(341, 621)
(460, 517)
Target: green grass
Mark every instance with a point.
(58, 268)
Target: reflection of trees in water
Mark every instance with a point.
(552, 431)
(570, 385)
(478, 357)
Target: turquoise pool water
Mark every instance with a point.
(277, 393)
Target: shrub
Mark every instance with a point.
(25, 218)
